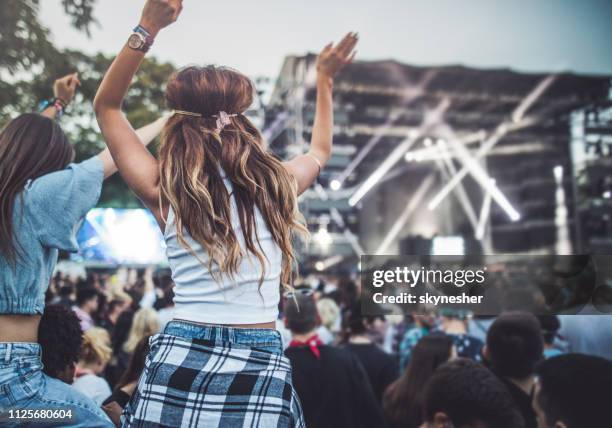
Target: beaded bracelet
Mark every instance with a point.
(57, 103)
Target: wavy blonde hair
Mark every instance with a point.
(193, 157)
(145, 323)
(96, 346)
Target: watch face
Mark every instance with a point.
(136, 41)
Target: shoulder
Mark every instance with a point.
(91, 168)
(87, 175)
(60, 394)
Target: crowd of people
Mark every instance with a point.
(444, 368)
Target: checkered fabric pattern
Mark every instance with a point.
(197, 383)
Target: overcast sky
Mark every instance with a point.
(254, 36)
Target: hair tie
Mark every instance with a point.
(223, 119)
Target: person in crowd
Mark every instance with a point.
(43, 199)
(113, 310)
(228, 210)
(330, 317)
(550, 326)
(478, 326)
(403, 399)
(422, 325)
(514, 347)
(65, 296)
(60, 338)
(129, 380)
(165, 313)
(573, 391)
(455, 324)
(464, 394)
(145, 323)
(599, 339)
(381, 367)
(86, 305)
(332, 385)
(95, 354)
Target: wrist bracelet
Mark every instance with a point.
(145, 33)
(57, 103)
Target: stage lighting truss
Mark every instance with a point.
(517, 121)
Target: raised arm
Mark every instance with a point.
(64, 90)
(145, 135)
(305, 168)
(137, 166)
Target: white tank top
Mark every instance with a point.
(239, 300)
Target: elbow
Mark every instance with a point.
(323, 154)
(102, 106)
(99, 106)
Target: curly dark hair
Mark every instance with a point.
(60, 337)
(467, 392)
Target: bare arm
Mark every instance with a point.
(305, 168)
(137, 166)
(64, 89)
(145, 135)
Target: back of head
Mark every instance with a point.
(515, 345)
(550, 325)
(145, 323)
(301, 313)
(355, 322)
(466, 393)
(60, 338)
(85, 294)
(403, 399)
(575, 389)
(328, 311)
(96, 346)
(194, 155)
(31, 146)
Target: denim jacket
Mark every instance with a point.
(46, 218)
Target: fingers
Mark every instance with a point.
(347, 43)
(351, 58)
(73, 80)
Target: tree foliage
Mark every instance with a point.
(29, 64)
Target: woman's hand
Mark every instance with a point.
(305, 168)
(158, 14)
(64, 88)
(333, 58)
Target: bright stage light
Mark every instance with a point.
(558, 172)
(607, 194)
(319, 266)
(322, 237)
(427, 142)
(448, 246)
(335, 185)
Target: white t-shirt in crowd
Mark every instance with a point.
(93, 386)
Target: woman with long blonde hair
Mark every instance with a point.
(95, 354)
(228, 210)
(145, 323)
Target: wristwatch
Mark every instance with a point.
(140, 40)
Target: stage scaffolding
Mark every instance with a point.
(411, 138)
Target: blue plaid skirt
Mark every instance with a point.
(214, 376)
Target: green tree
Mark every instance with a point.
(29, 64)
